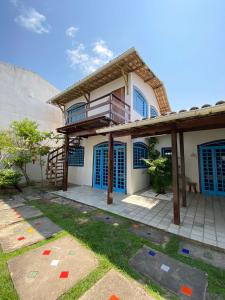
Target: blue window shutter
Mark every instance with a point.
(76, 156)
(140, 150)
(153, 112)
(76, 108)
(140, 104)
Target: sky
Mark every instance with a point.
(182, 41)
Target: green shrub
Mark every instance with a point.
(9, 177)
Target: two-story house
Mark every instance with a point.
(108, 116)
(122, 91)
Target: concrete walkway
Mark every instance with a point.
(203, 220)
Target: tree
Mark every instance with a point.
(159, 168)
(23, 143)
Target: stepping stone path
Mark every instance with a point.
(79, 206)
(156, 236)
(179, 278)
(115, 286)
(25, 233)
(208, 255)
(49, 271)
(13, 215)
(108, 219)
(10, 204)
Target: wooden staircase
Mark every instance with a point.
(55, 163)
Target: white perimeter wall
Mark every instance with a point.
(191, 142)
(23, 94)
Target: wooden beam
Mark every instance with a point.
(65, 165)
(126, 79)
(182, 168)
(110, 170)
(175, 182)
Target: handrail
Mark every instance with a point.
(113, 100)
(120, 100)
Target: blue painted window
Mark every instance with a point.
(76, 156)
(153, 112)
(76, 113)
(212, 166)
(140, 150)
(166, 151)
(100, 175)
(140, 104)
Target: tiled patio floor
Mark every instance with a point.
(203, 220)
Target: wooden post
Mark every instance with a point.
(175, 183)
(110, 170)
(65, 165)
(182, 168)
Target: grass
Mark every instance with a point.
(113, 246)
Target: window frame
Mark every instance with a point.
(164, 149)
(143, 111)
(71, 109)
(76, 161)
(153, 112)
(142, 164)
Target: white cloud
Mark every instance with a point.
(32, 20)
(100, 48)
(88, 63)
(71, 31)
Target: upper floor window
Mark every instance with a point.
(76, 113)
(76, 156)
(153, 112)
(140, 150)
(140, 104)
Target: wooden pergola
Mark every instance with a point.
(175, 125)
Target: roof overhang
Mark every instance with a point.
(193, 120)
(129, 61)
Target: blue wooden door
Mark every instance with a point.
(212, 163)
(100, 174)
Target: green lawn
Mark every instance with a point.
(113, 246)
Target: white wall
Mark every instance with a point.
(83, 175)
(137, 179)
(23, 94)
(191, 142)
(140, 178)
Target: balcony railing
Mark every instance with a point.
(109, 106)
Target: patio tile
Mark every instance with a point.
(196, 237)
(175, 276)
(35, 277)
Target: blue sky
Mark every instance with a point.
(182, 41)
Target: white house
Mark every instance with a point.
(113, 98)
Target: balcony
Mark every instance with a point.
(100, 112)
